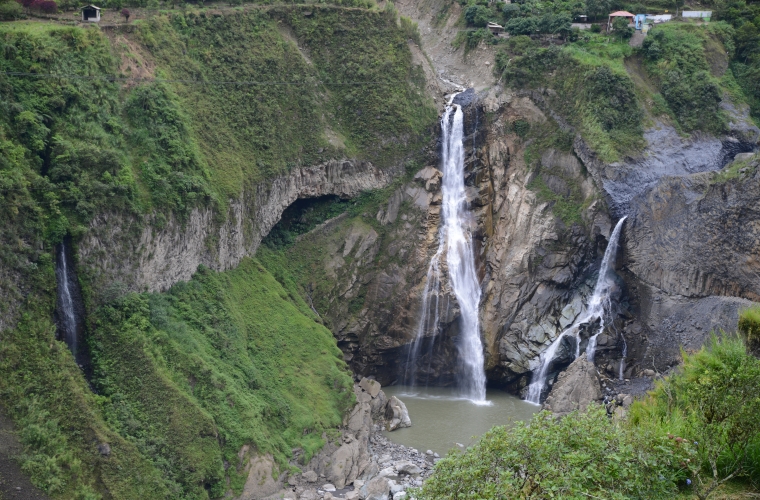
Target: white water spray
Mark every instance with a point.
(598, 307)
(456, 241)
(68, 318)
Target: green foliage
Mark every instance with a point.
(583, 455)
(712, 402)
(471, 39)
(10, 10)
(58, 416)
(224, 360)
(353, 77)
(675, 56)
(621, 29)
(749, 328)
(74, 148)
(478, 15)
(303, 216)
(698, 429)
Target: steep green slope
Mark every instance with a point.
(181, 380)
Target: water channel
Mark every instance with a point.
(441, 418)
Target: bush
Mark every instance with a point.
(477, 15)
(699, 428)
(584, 455)
(749, 327)
(10, 11)
(596, 28)
(713, 402)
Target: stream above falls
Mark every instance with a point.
(441, 418)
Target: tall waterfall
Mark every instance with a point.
(598, 307)
(67, 314)
(455, 240)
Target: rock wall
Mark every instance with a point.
(150, 255)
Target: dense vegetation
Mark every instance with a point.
(227, 359)
(699, 428)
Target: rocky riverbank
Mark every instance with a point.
(361, 465)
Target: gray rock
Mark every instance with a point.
(310, 476)
(376, 489)
(328, 487)
(371, 386)
(309, 495)
(352, 495)
(104, 449)
(396, 414)
(575, 388)
(407, 467)
(399, 495)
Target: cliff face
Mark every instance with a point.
(146, 257)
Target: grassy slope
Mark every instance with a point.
(228, 359)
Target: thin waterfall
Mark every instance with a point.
(455, 240)
(67, 313)
(598, 307)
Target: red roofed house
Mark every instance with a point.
(620, 13)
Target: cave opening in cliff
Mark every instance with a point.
(302, 216)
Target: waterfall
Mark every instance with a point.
(597, 309)
(455, 241)
(67, 315)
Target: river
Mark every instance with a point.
(440, 419)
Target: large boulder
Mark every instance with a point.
(396, 414)
(377, 489)
(575, 389)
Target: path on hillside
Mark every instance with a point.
(637, 39)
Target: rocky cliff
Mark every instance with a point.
(144, 254)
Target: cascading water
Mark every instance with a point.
(69, 308)
(456, 241)
(598, 307)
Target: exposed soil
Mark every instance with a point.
(14, 485)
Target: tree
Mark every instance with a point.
(125, 13)
(477, 15)
(48, 7)
(596, 8)
(621, 29)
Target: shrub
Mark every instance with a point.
(10, 11)
(584, 455)
(713, 402)
(595, 28)
(749, 327)
(477, 15)
(48, 7)
(621, 29)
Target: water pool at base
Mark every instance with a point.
(441, 419)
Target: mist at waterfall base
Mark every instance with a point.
(441, 418)
(455, 240)
(598, 308)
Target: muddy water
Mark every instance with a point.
(440, 419)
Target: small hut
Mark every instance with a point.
(90, 14)
(496, 29)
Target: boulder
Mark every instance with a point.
(352, 495)
(261, 481)
(407, 467)
(309, 495)
(377, 489)
(399, 495)
(310, 476)
(378, 405)
(396, 414)
(575, 388)
(370, 386)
